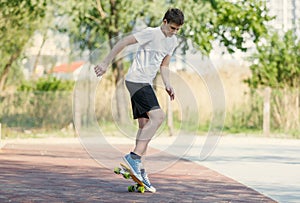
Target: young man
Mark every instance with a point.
(156, 45)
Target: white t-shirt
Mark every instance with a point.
(154, 46)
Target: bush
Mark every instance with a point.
(45, 103)
(47, 84)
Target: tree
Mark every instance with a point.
(235, 23)
(47, 26)
(94, 22)
(232, 24)
(19, 20)
(276, 65)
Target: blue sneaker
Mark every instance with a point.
(134, 165)
(146, 182)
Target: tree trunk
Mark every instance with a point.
(4, 75)
(121, 101)
(266, 110)
(38, 56)
(297, 105)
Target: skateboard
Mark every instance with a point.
(125, 171)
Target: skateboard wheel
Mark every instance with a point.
(126, 175)
(141, 189)
(131, 188)
(117, 170)
(136, 186)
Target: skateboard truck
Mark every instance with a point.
(127, 174)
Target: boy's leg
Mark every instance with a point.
(132, 159)
(148, 125)
(146, 133)
(147, 129)
(142, 122)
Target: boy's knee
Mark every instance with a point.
(162, 117)
(158, 117)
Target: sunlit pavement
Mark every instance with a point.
(271, 166)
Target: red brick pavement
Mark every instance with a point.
(66, 173)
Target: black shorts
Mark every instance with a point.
(143, 99)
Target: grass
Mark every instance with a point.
(108, 127)
(9, 133)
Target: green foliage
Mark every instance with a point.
(229, 23)
(18, 21)
(277, 62)
(46, 84)
(198, 22)
(93, 22)
(234, 21)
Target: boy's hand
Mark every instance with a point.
(100, 69)
(171, 92)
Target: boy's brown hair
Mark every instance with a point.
(174, 15)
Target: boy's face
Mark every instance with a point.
(171, 28)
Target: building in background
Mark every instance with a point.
(68, 71)
(287, 13)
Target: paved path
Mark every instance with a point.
(63, 172)
(271, 166)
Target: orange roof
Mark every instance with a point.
(67, 67)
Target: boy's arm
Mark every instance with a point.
(101, 68)
(164, 71)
